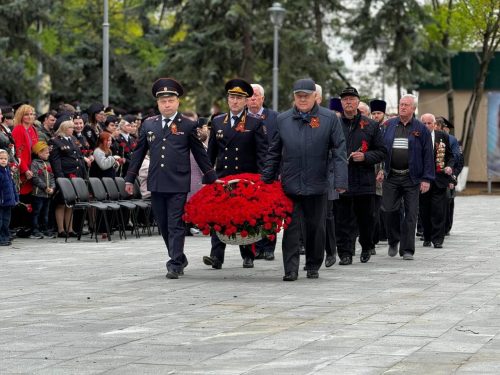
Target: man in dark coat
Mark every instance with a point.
(265, 247)
(433, 203)
(169, 137)
(409, 169)
(308, 139)
(238, 144)
(365, 148)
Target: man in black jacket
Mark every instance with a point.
(365, 148)
(308, 139)
(433, 202)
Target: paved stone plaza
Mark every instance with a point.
(107, 308)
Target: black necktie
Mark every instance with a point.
(235, 120)
(167, 120)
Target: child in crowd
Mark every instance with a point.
(43, 190)
(8, 197)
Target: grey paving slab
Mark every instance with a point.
(107, 308)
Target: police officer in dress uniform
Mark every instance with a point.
(169, 137)
(238, 144)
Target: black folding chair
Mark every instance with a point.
(97, 211)
(138, 195)
(100, 195)
(143, 206)
(129, 207)
(71, 201)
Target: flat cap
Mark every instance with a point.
(306, 85)
(349, 91)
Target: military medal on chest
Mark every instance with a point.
(150, 136)
(219, 134)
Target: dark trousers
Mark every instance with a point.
(219, 249)
(5, 213)
(312, 210)
(168, 209)
(433, 213)
(450, 210)
(331, 238)
(361, 209)
(40, 217)
(401, 229)
(379, 227)
(265, 245)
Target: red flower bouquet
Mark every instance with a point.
(241, 211)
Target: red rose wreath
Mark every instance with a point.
(243, 206)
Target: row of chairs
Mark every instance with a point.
(106, 205)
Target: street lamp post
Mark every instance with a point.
(277, 15)
(383, 44)
(105, 56)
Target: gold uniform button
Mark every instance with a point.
(163, 147)
(164, 139)
(236, 167)
(161, 165)
(162, 156)
(236, 148)
(236, 158)
(225, 149)
(225, 158)
(225, 167)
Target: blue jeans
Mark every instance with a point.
(40, 216)
(4, 224)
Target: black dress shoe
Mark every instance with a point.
(393, 250)
(212, 261)
(312, 274)
(172, 275)
(290, 276)
(420, 234)
(62, 235)
(365, 256)
(344, 261)
(248, 263)
(330, 260)
(438, 245)
(72, 234)
(268, 255)
(259, 255)
(427, 243)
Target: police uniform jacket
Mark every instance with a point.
(169, 168)
(66, 158)
(306, 147)
(363, 134)
(270, 121)
(235, 151)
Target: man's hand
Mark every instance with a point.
(380, 176)
(358, 156)
(451, 186)
(129, 188)
(424, 187)
(28, 174)
(448, 171)
(340, 190)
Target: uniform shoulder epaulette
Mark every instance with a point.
(152, 117)
(220, 115)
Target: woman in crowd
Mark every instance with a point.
(67, 161)
(82, 141)
(25, 136)
(105, 163)
(7, 141)
(93, 129)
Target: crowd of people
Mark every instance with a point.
(352, 171)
